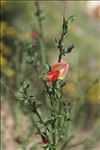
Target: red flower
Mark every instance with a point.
(52, 75)
(58, 71)
(45, 141)
(44, 138)
(34, 35)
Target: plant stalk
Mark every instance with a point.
(41, 40)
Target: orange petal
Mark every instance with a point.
(62, 67)
(52, 75)
(64, 72)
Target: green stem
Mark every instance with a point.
(60, 46)
(41, 40)
(53, 111)
(54, 135)
(53, 124)
(37, 113)
(39, 131)
(34, 123)
(64, 122)
(35, 110)
(60, 56)
(53, 88)
(59, 111)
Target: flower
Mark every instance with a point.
(58, 71)
(44, 138)
(34, 35)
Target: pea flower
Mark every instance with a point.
(44, 138)
(34, 35)
(58, 71)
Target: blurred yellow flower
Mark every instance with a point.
(70, 89)
(5, 49)
(8, 72)
(7, 30)
(3, 61)
(24, 36)
(94, 93)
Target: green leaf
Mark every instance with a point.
(31, 59)
(68, 119)
(29, 45)
(65, 27)
(60, 83)
(52, 131)
(25, 84)
(38, 105)
(59, 116)
(69, 49)
(47, 66)
(70, 19)
(48, 122)
(19, 96)
(42, 17)
(42, 75)
(56, 41)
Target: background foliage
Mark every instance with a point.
(18, 20)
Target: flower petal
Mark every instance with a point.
(52, 75)
(62, 67)
(64, 72)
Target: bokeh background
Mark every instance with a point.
(18, 21)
